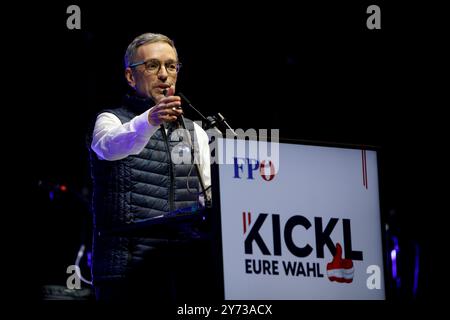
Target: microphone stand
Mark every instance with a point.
(208, 203)
(216, 121)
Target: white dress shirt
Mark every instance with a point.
(113, 140)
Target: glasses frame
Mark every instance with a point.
(143, 62)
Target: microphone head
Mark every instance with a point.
(167, 92)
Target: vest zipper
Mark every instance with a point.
(171, 174)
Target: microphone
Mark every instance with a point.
(168, 92)
(216, 121)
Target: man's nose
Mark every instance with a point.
(162, 72)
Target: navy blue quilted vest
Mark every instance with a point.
(129, 191)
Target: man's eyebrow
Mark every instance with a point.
(154, 59)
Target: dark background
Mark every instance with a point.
(312, 70)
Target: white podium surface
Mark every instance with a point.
(303, 225)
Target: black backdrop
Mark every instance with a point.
(312, 70)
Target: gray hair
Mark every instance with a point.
(145, 39)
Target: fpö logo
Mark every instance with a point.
(339, 269)
(248, 168)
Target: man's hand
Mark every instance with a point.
(168, 109)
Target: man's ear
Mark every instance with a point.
(130, 78)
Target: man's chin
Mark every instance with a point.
(153, 96)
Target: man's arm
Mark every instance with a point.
(113, 140)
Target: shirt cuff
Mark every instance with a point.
(142, 126)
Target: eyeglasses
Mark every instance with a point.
(152, 66)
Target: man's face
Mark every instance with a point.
(150, 84)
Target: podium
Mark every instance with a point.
(303, 222)
(187, 223)
(298, 220)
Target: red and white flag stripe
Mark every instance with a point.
(246, 220)
(364, 169)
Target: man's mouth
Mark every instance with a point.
(164, 86)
